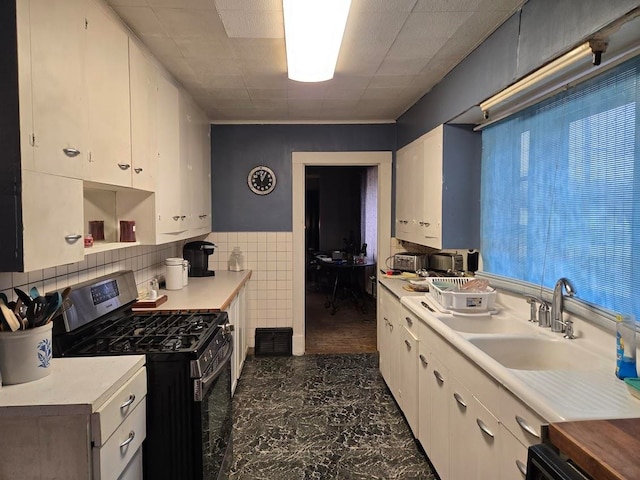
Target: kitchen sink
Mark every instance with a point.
(486, 324)
(536, 353)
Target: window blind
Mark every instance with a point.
(560, 191)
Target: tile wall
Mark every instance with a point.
(145, 261)
(270, 257)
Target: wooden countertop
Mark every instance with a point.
(203, 293)
(604, 449)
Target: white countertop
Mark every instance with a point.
(75, 386)
(396, 286)
(556, 395)
(204, 293)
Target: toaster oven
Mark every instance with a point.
(410, 262)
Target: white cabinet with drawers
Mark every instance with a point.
(86, 420)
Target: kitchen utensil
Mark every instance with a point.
(24, 296)
(36, 310)
(66, 301)
(34, 292)
(54, 303)
(10, 322)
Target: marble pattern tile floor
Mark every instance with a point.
(320, 417)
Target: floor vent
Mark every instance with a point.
(274, 341)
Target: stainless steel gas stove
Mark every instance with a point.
(188, 372)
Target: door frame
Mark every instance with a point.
(380, 159)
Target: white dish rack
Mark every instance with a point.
(459, 300)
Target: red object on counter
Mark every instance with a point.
(88, 240)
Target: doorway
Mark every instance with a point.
(381, 161)
(340, 310)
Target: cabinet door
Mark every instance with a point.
(109, 136)
(143, 84)
(513, 457)
(168, 174)
(437, 383)
(234, 319)
(408, 366)
(474, 437)
(52, 220)
(58, 86)
(432, 181)
(201, 173)
(383, 333)
(403, 198)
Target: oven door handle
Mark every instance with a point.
(206, 381)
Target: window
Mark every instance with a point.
(561, 191)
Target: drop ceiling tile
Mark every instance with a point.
(304, 91)
(406, 47)
(249, 5)
(267, 81)
(161, 46)
(392, 81)
(402, 66)
(448, 5)
(221, 81)
(229, 94)
(191, 23)
(270, 104)
(226, 103)
(342, 81)
(509, 6)
(204, 48)
(340, 104)
(258, 48)
(341, 94)
(277, 94)
(183, 4)
(142, 20)
(218, 66)
(128, 3)
(241, 24)
(382, 5)
(423, 26)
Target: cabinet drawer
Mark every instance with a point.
(110, 459)
(105, 421)
(410, 321)
(521, 421)
(513, 457)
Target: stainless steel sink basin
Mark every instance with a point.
(536, 353)
(486, 324)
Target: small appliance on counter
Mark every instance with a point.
(410, 262)
(446, 262)
(197, 253)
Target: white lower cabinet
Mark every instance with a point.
(469, 425)
(237, 312)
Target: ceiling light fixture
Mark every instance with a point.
(313, 31)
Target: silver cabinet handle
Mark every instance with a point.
(426, 224)
(124, 166)
(129, 439)
(460, 400)
(522, 467)
(409, 321)
(71, 152)
(176, 217)
(526, 427)
(406, 342)
(484, 428)
(137, 170)
(439, 377)
(423, 360)
(182, 217)
(129, 401)
(72, 238)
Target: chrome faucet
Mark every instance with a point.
(557, 322)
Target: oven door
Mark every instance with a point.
(214, 420)
(543, 463)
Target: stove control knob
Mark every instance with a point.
(228, 328)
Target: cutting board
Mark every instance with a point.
(150, 303)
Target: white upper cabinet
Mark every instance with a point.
(109, 132)
(144, 88)
(57, 60)
(168, 209)
(438, 189)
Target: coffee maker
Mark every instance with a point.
(197, 253)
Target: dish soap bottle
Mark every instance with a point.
(625, 347)
(236, 260)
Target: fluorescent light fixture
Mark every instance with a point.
(313, 31)
(542, 78)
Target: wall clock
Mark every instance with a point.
(261, 180)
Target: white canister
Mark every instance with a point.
(173, 276)
(185, 273)
(25, 355)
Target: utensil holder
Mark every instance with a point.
(25, 355)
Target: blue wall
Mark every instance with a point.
(236, 149)
(541, 31)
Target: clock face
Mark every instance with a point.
(261, 180)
